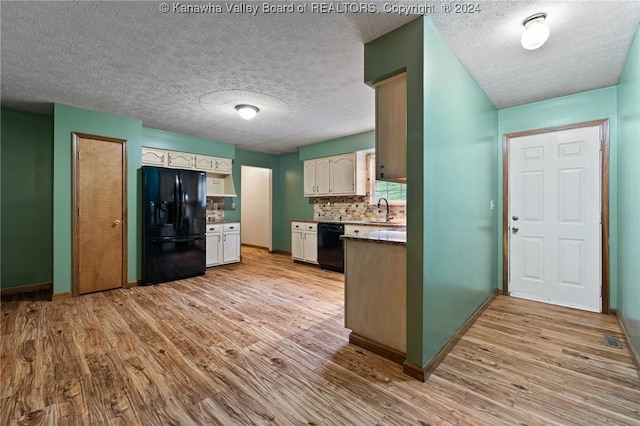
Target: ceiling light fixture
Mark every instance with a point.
(536, 32)
(247, 111)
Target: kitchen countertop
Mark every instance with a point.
(378, 237)
(216, 222)
(356, 222)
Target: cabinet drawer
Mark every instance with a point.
(214, 228)
(223, 165)
(231, 227)
(304, 226)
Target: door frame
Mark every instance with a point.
(75, 243)
(604, 199)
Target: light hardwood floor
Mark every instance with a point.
(263, 342)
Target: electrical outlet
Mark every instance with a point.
(233, 206)
(215, 206)
(492, 205)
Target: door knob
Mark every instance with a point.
(515, 230)
(515, 218)
(116, 222)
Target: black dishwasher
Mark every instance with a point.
(330, 251)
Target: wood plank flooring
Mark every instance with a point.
(263, 342)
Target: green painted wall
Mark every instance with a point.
(352, 143)
(461, 127)
(585, 106)
(402, 49)
(176, 141)
(294, 204)
(27, 196)
(629, 194)
(267, 161)
(67, 120)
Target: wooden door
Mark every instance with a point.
(99, 214)
(554, 218)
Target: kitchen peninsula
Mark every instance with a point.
(375, 292)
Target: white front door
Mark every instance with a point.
(555, 218)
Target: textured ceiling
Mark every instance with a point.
(182, 72)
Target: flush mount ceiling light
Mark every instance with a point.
(247, 111)
(535, 32)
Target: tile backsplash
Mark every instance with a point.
(356, 208)
(213, 213)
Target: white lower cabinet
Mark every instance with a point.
(304, 241)
(223, 243)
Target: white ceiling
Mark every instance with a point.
(184, 72)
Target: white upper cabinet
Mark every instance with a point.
(154, 157)
(323, 176)
(338, 175)
(391, 129)
(310, 178)
(180, 160)
(205, 163)
(219, 177)
(223, 165)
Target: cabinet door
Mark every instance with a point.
(223, 165)
(310, 178)
(310, 249)
(297, 246)
(231, 247)
(323, 173)
(214, 246)
(154, 157)
(391, 128)
(180, 160)
(204, 162)
(343, 174)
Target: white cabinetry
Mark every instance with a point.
(204, 163)
(391, 129)
(180, 160)
(223, 243)
(214, 245)
(317, 177)
(154, 157)
(231, 243)
(304, 241)
(222, 165)
(338, 175)
(362, 230)
(219, 178)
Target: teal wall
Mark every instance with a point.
(585, 106)
(294, 204)
(460, 230)
(67, 120)
(629, 194)
(27, 196)
(451, 169)
(267, 161)
(352, 143)
(155, 138)
(402, 49)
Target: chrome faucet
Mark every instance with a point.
(388, 217)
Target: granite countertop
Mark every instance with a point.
(356, 222)
(376, 237)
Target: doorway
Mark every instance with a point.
(99, 185)
(556, 215)
(256, 206)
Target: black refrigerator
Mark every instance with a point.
(173, 224)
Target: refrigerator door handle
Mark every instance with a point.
(182, 204)
(176, 202)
